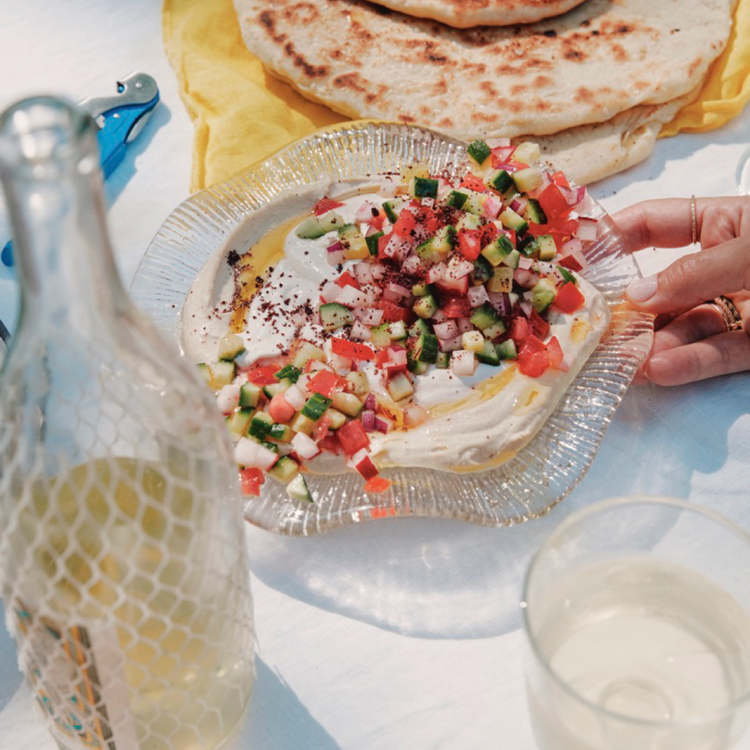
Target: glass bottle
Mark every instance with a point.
(122, 554)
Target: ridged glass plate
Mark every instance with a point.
(526, 487)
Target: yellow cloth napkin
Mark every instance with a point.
(243, 114)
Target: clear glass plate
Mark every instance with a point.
(527, 486)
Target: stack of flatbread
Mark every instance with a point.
(592, 81)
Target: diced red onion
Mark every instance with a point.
(413, 265)
(436, 273)
(371, 229)
(477, 295)
(397, 355)
(464, 325)
(335, 247)
(525, 278)
(368, 420)
(525, 264)
(519, 204)
(588, 229)
(492, 207)
(398, 248)
(364, 212)
(378, 271)
(428, 202)
(440, 317)
(571, 247)
(507, 166)
(447, 330)
(454, 286)
(370, 402)
(360, 332)
(526, 306)
(450, 345)
(228, 398)
(444, 188)
(382, 424)
(463, 363)
(501, 302)
(370, 316)
(399, 290)
(458, 268)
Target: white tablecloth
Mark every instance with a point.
(400, 633)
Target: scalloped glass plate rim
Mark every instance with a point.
(527, 486)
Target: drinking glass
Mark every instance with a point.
(637, 616)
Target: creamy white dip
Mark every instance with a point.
(498, 410)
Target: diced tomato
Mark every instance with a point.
(263, 375)
(533, 358)
(382, 242)
(250, 481)
(518, 164)
(539, 326)
(571, 262)
(350, 349)
(555, 352)
(519, 330)
(454, 287)
(470, 243)
(346, 279)
(321, 429)
(457, 308)
(553, 202)
(330, 444)
(560, 179)
(280, 410)
(432, 220)
(490, 233)
(563, 226)
(473, 183)
(377, 484)
(377, 221)
(366, 467)
(324, 205)
(569, 298)
(352, 437)
(392, 312)
(323, 382)
(405, 223)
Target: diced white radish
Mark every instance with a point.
(360, 332)
(546, 268)
(377, 270)
(428, 202)
(444, 188)
(305, 446)
(365, 213)
(253, 455)
(330, 291)
(413, 265)
(294, 396)
(447, 330)
(463, 363)
(464, 324)
(457, 268)
(572, 247)
(352, 297)
(372, 316)
(588, 229)
(398, 248)
(335, 258)
(525, 263)
(477, 295)
(440, 317)
(389, 185)
(450, 345)
(526, 306)
(525, 278)
(363, 272)
(436, 273)
(397, 356)
(228, 398)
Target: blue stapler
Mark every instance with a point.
(120, 118)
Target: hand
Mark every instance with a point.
(692, 342)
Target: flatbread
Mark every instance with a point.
(587, 66)
(463, 14)
(592, 152)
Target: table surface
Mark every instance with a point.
(401, 633)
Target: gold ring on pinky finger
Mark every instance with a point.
(730, 314)
(693, 221)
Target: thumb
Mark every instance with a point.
(694, 279)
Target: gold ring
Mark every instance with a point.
(693, 221)
(729, 312)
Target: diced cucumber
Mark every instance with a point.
(380, 335)
(353, 243)
(512, 259)
(270, 446)
(498, 329)
(419, 290)
(308, 351)
(479, 151)
(249, 395)
(302, 424)
(534, 213)
(205, 374)
(413, 365)
(443, 361)
(284, 470)
(316, 226)
(400, 387)
(271, 390)
(456, 198)
(472, 341)
(419, 327)
(335, 419)
(290, 372)
(526, 180)
(281, 432)
(260, 425)
(346, 403)
(542, 295)
(500, 180)
(543, 247)
(239, 422)
(484, 316)
(482, 272)
(444, 239)
(230, 347)
(397, 330)
(498, 250)
(424, 187)
(468, 221)
(393, 209)
(488, 355)
(330, 221)
(428, 252)
(426, 348)
(316, 406)
(527, 152)
(512, 220)
(507, 349)
(359, 382)
(372, 242)
(502, 280)
(425, 307)
(474, 204)
(567, 275)
(223, 374)
(297, 489)
(333, 316)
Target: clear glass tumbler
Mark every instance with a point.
(637, 616)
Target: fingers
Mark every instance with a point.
(663, 223)
(695, 325)
(722, 354)
(695, 278)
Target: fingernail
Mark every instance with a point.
(643, 289)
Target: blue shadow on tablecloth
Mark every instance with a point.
(434, 578)
(10, 677)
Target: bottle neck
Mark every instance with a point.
(53, 187)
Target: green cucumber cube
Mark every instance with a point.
(230, 347)
(249, 395)
(333, 316)
(425, 187)
(316, 406)
(487, 355)
(506, 349)
(426, 348)
(284, 470)
(484, 316)
(260, 425)
(500, 180)
(479, 151)
(297, 489)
